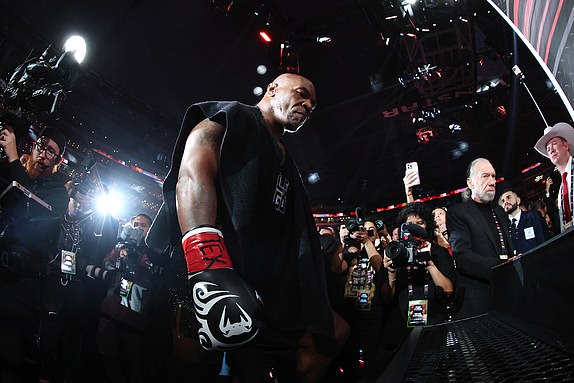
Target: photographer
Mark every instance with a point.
(364, 305)
(28, 238)
(74, 289)
(421, 286)
(133, 331)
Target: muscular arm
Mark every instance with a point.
(196, 195)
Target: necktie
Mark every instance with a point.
(513, 232)
(566, 199)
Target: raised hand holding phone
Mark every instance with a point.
(412, 177)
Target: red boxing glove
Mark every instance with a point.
(204, 249)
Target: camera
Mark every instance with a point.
(131, 235)
(39, 86)
(355, 224)
(82, 180)
(95, 272)
(404, 252)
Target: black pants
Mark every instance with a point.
(271, 356)
(123, 353)
(19, 323)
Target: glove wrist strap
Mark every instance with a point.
(204, 248)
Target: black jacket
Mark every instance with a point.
(476, 251)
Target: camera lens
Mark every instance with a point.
(352, 225)
(398, 253)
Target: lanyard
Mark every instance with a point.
(410, 287)
(72, 234)
(499, 230)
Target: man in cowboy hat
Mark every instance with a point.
(557, 144)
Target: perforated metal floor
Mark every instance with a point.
(485, 349)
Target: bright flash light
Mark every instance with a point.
(76, 44)
(110, 203)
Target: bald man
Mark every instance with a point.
(233, 183)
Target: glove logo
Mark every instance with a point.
(209, 300)
(232, 329)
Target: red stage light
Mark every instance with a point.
(265, 36)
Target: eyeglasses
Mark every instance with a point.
(43, 147)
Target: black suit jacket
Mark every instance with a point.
(529, 220)
(476, 251)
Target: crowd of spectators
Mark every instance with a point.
(87, 300)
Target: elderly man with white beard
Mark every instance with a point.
(479, 239)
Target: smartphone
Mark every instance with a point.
(413, 167)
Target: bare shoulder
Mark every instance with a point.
(206, 133)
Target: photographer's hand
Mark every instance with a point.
(343, 233)
(392, 274)
(441, 236)
(361, 236)
(8, 143)
(439, 279)
(409, 180)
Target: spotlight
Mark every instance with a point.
(461, 149)
(313, 178)
(76, 45)
(257, 91)
(261, 69)
(324, 39)
(265, 36)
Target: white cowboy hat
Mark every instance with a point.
(561, 129)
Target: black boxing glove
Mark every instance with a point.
(224, 305)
